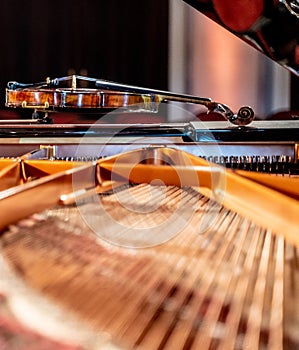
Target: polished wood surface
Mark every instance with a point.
(72, 98)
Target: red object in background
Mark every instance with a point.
(135, 118)
(9, 114)
(284, 115)
(210, 117)
(139, 118)
(110, 118)
(281, 115)
(229, 13)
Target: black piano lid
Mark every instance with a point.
(94, 130)
(257, 131)
(197, 131)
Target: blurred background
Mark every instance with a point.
(160, 44)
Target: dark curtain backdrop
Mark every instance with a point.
(124, 41)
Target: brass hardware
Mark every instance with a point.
(296, 155)
(50, 151)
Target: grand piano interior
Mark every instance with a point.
(139, 218)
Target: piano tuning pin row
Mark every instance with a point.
(79, 159)
(277, 164)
